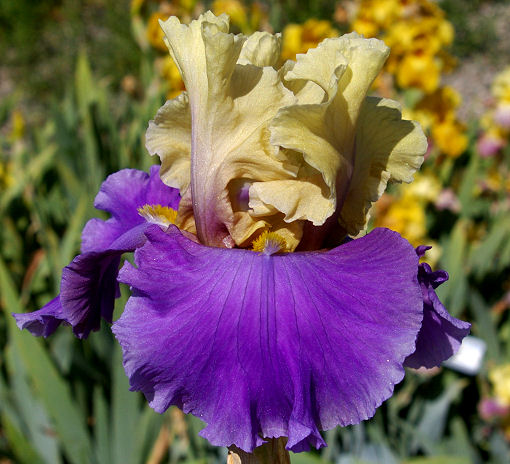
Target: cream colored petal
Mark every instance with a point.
(387, 149)
(231, 105)
(261, 49)
(323, 65)
(185, 220)
(324, 133)
(169, 137)
(304, 128)
(365, 59)
(296, 199)
(306, 92)
(246, 228)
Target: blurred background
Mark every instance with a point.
(79, 80)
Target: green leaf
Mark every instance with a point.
(486, 256)
(22, 448)
(102, 439)
(307, 458)
(453, 292)
(51, 388)
(438, 460)
(485, 327)
(40, 430)
(125, 413)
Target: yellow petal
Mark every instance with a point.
(296, 199)
(344, 68)
(387, 148)
(231, 105)
(169, 137)
(261, 49)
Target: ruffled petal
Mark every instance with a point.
(88, 290)
(296, 199)
(89, 283)
(169, 137)
(230, 106)
(387, 149)
(44, 322)
(121, 194)
(261, 49)
(267, 346)
(441, 334)
(324, 132)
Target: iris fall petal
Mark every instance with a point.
(44, 322)
(441, 334)
(89, 283)
(269, 346)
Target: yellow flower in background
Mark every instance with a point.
(419, 70)
(417, 33)
(405, 215)
(18, 125)
(436, 112)
(365, 27)
(235, 9)
(425, 187)
(155, 34)
(6, 174)
(500, 379)
(450, 137)
(298, 38)
(374, 15)
(404, 211)
(170, 72)
(247, 19)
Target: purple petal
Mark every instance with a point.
(267, 346)
(44, 322)
(121, 194)
(441, 334)
(89, 283)
(88, 290)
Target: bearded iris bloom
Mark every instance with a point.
(251, 308)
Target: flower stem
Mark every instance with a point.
(273, 452)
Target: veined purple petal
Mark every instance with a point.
(441, 334)
(44, 322)
(88, 290)
(89, 283)
(268, 346)
(121, 194)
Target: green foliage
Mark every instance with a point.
(474, 33)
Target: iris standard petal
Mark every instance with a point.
(89, 283)
(230, 107)
(267, 346)
(387, 148)
(441, 334)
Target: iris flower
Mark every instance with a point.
(251, 307)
